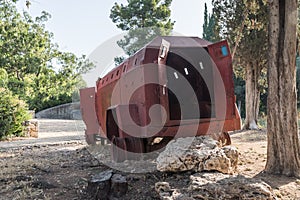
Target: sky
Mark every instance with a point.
(81, 26)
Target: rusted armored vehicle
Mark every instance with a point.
(173, 87)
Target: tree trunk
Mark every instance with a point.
(283, 155)
(252, 96)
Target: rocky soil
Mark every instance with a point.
(61, 168)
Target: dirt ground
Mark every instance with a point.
(59, 167)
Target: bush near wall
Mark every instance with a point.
(13, 112)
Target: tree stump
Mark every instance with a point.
(119, 185)
(99, 185)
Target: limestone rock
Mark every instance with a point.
(164, 190)
(233, 154)
(162, 187)
(31, 128)
(209, 186)
(166, 193)
(197, 154)
(218, 161)
(221, 186)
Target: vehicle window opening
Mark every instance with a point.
(200, 87)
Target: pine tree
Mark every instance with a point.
(144, 20)
(210, 29)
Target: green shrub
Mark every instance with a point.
(13, 112)
(3, 78)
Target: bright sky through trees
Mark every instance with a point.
(80, 26)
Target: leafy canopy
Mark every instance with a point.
(245, 26)
(38, 72)
(144, 20)
(142, 14)
(13, 112)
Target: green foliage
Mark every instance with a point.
(37, 71)
(244, 24)
(144, 20)
(3, 78)
(141, 14)
(13, 112)
(56, 86)
(210, 27)
(32, 69)
(119, 59)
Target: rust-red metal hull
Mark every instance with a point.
(113, 97)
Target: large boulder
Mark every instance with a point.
(197, 154)
(208, 186)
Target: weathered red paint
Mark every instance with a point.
(88, 112)
(98, 112)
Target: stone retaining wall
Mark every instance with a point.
(65, 111)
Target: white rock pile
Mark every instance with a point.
(197, 154)
(209, 186)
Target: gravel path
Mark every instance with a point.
(52, 132)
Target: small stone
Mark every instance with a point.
(161, 187)
(95, 163)
(165, 196)
(23, 178)
(166, 193)
(64, 165)
(42, 184)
